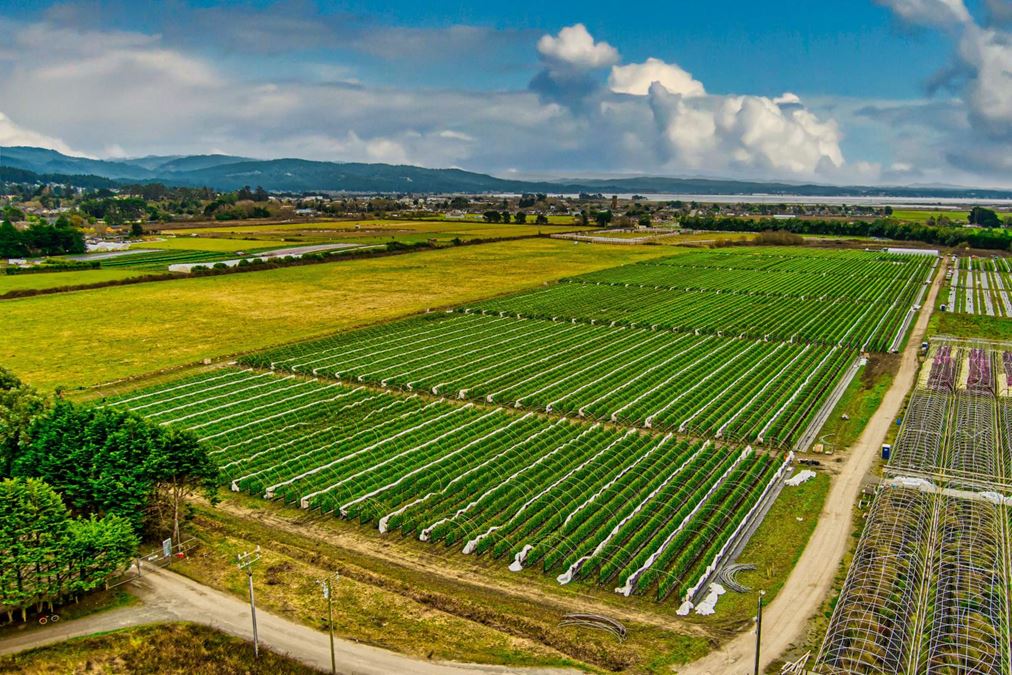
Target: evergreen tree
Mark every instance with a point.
(107, 461)
(45, 556)
(33, 530)
(11, 243)
(20, 405)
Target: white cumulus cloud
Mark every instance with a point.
(988, 55)
(978, 140)
(576, 48)
(115, 93)
(745, 132)
(636, 78)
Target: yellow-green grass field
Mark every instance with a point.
(91, 337)
(921, 216)
(345, 228)
(44, 280)
(702, 238)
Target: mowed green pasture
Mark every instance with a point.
(91, 337)
(45, 280)
(374, 231)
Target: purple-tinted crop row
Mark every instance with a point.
(943, 370)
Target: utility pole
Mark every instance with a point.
(245, 563)
(758, 629)
(328, 592)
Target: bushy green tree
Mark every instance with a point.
(96, 549)
(33, 529)
(11, 244)
(20, 405)
(984, 217)
(106, 461)
(178, 467)
(990, 238)
(603, 218)
(45, 556)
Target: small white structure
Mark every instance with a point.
(914, 251)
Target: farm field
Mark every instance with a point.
(160, 260)
(220, 244)
(133, 330)
(602, 456)
(856, 299)
(379, 231)
(435, 427)
(699, 238)
(740, 389)
(979, 286)
(43, 280)
(928, 590)
(922, 216)
(575, 500)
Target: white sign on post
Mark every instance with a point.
(167, 547)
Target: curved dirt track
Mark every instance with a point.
(786, 618)
(167, 596)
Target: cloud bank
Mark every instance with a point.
(976, 135)
(71, 84)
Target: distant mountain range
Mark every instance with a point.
(225, 172)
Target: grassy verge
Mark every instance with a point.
(859, 402)
(110, 333)
(774, 549)
(426, 600)
(286, 584)
(158, 648)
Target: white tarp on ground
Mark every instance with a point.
(800, 477)
(707, 605)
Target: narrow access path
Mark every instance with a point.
(167, 596)
(786, 618)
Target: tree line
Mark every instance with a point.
(80, 486)
(520, 217)
(40, 239)
(984, 238)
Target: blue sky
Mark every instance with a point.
(859, 91)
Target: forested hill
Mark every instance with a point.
(227, 172)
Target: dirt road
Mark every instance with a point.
(786, 618)
(167, 596)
